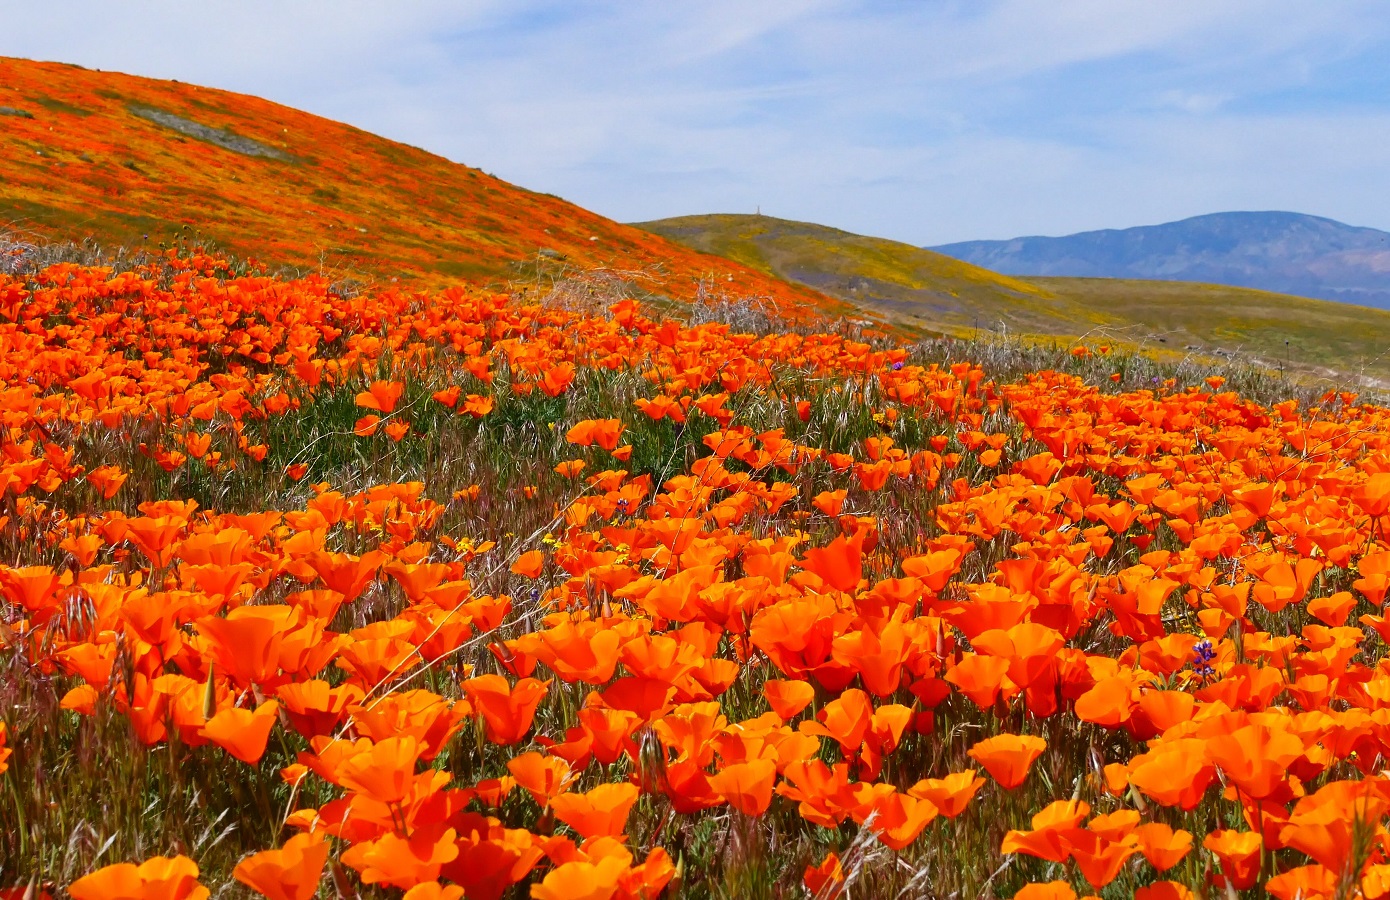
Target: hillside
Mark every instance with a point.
(1276, 251)
(129, 160)
(922, 288)
(908, 284)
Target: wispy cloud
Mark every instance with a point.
(922, 121)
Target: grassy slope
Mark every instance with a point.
(919, 287)
(82, 164)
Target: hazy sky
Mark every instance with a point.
(921, 121)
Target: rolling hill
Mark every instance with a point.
(1284, 252)
(131, 161)
(915, 287)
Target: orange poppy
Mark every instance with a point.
(788, 698)
(242, 732)
(747, 786)
(529, 564)
(601, 811)
(1239, 854)
(292, 872)
(381, 396)
(506, 709)
(1161, 845)
(158, 878)
(950, 795)
(543, 777)
(1008, 757)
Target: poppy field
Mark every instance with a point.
(463, 594)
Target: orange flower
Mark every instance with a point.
(158, 878)
(1053, 829)
(1164, 890)
(558, 378)
(476, 406)
(604, 432)
(825, 879)
(507, 710)
(1255, 757)
(107, 480)
(529, 564)
(1052, 890)
(582, 880)
(403, 862)
(570, 468)
(952, 794)
(747, 786)
(980, 678)
(601, 812)
(382, 396)
(449, 396)
(433, 890)
(1008, 757)
(840, 564)
(385, 771)
(1174, 773)
(1239, 854)
(788, 698)
(1098, 858)
(543, 777)
(242, 732)
(1108, 703)
(1161, 845)
(292, 872)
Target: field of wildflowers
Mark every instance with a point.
(458, 594)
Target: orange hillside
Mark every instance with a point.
(119, 158)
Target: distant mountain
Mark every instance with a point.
(1275, 251)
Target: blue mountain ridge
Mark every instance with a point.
(1286, 252)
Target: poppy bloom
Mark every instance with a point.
(787, 698)
(825, 878)
(506, 709)
(1008, 757)
(158, 878)
(598, 812)
(529, 564)
(952, 794)
(1239, 854)
(242, 732)
(747, 786)
(292, 872)
(381, 396)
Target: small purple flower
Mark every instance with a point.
(897, 366)
(1202, 655)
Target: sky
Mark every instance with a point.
(925, 121)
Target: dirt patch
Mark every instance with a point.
(221, 137)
